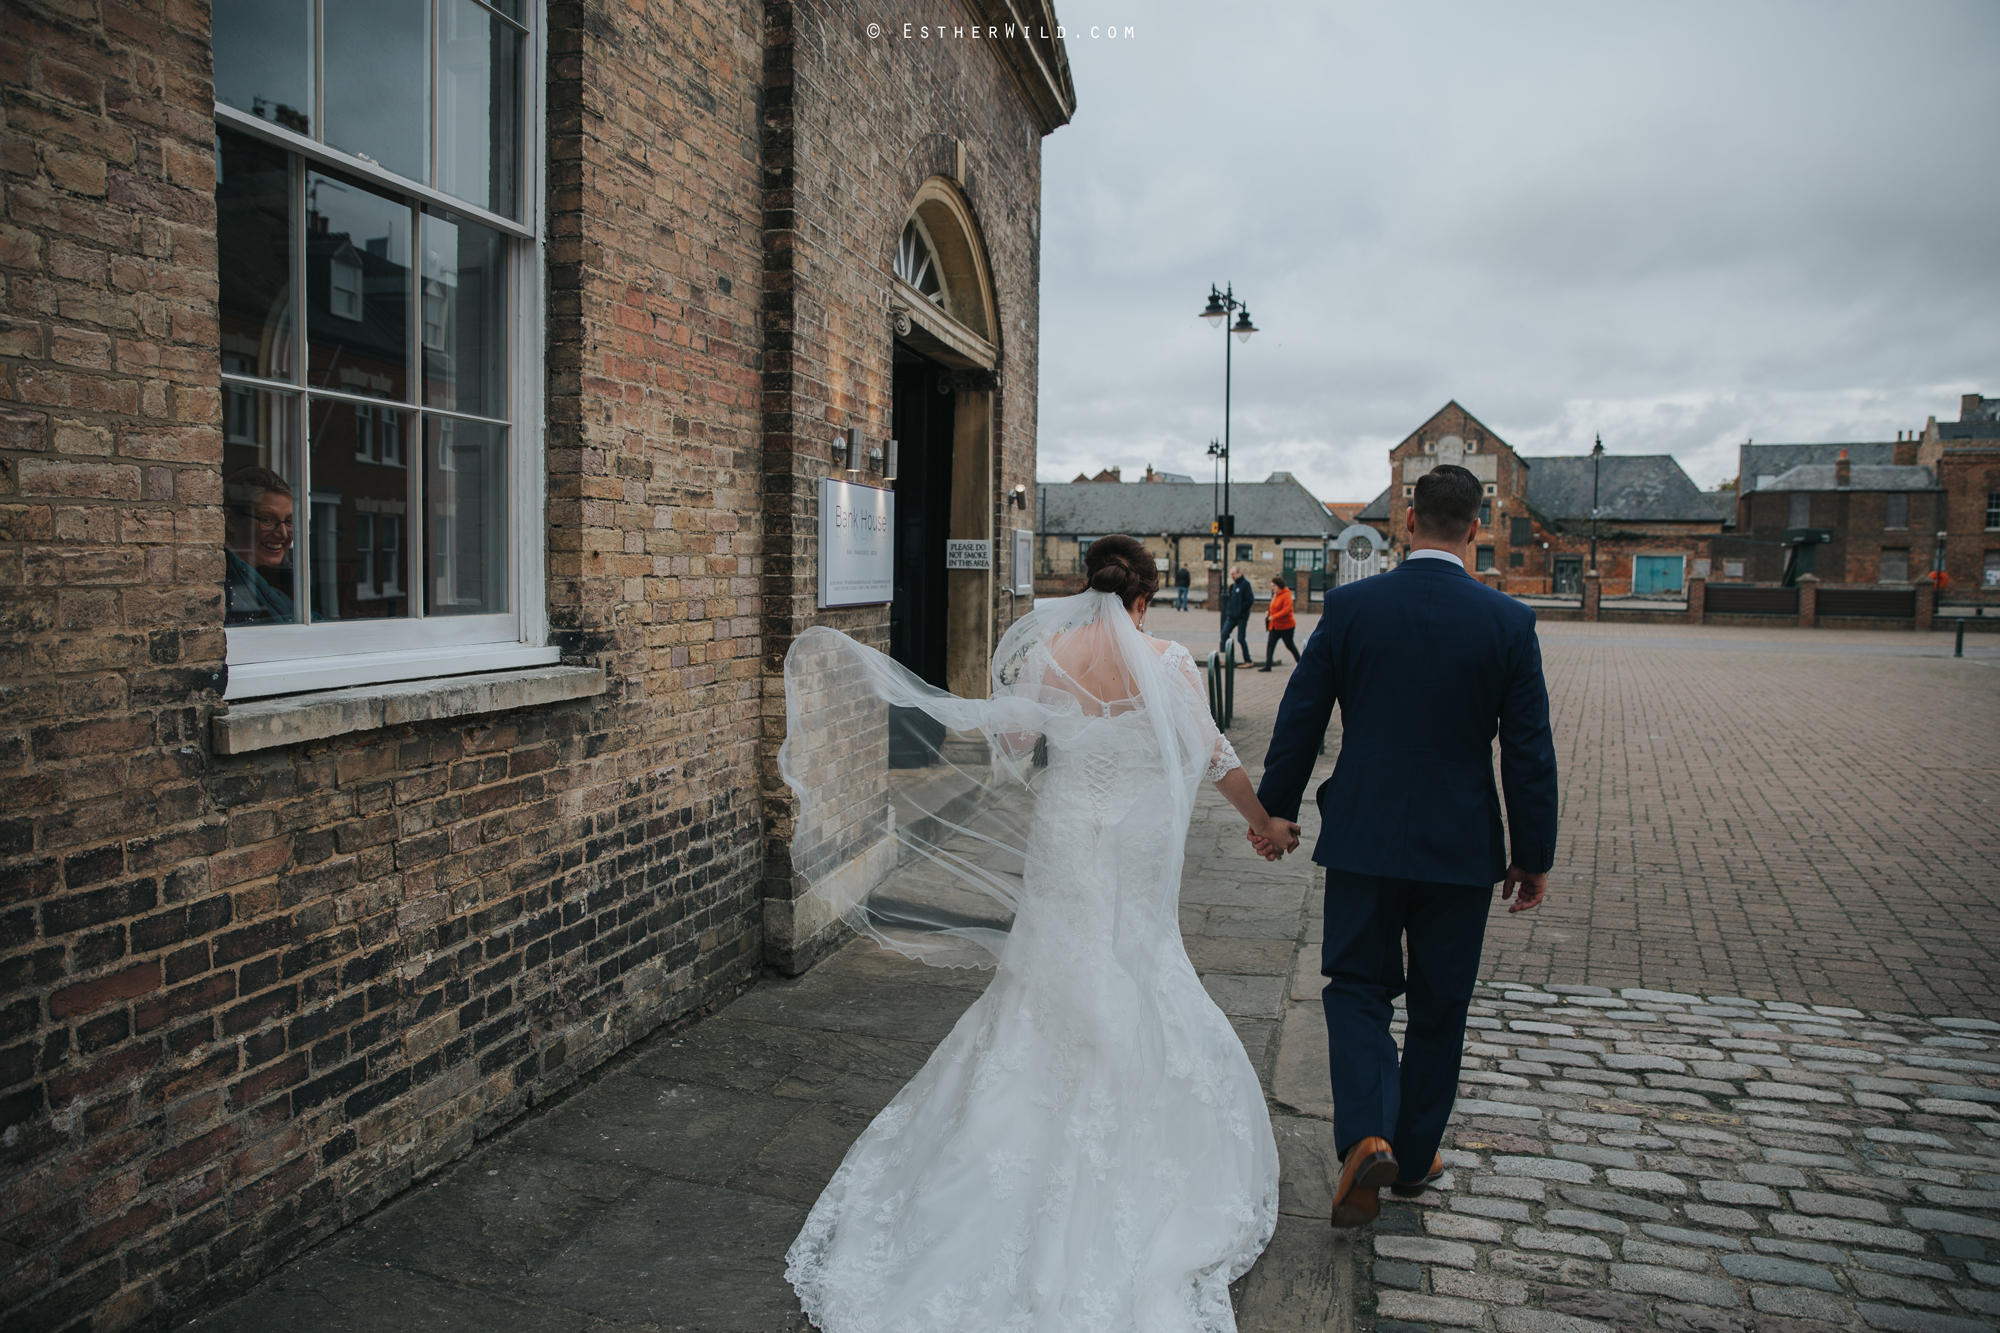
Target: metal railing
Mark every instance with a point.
(1222, 686)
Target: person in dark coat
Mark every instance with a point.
(1427, 666)
(1181, 581)
(1237, 604)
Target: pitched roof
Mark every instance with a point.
(1861, 477)
(1969, 430)
(1263, 509)
(1636, 487)
(1377, 509)
(1771, 460)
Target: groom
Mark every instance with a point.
(1427, 665)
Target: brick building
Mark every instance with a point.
(411, 441)
(1840, 521)
(1653, 529)
(1965, 454)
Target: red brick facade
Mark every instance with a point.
(1523, 548)
(244, 997)
(1966, 458)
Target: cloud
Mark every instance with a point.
(1678, 225)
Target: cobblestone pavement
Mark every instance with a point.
(1706, 1164)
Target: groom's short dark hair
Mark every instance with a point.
(1446, 501)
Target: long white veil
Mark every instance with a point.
(916, 808)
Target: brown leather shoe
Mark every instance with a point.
(1411, 1189)
(1369, 1165)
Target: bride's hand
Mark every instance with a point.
(1275, 838)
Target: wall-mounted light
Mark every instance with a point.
(1018, 498)
(889, 462)
(842, 451)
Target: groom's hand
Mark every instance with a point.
(1278, 837)
(1526, 887)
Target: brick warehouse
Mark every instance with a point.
(520, 353)
(1654, 529)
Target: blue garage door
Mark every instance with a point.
(1656, 573)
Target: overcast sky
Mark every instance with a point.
(1681, 224)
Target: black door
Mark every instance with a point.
(1569, 573)
(922, 412)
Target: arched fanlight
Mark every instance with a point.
(916, 263)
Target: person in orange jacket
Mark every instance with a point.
(1279, 622)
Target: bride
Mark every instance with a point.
(1089, 1148)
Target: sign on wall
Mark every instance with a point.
(857, 544)
(1024, 562)
(968, 554)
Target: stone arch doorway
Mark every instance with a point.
(946, 356)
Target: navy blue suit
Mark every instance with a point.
(1427, 665)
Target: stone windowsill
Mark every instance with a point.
(264, 723)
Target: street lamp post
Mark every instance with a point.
(1596, 461)
(1215, 454)
(1221, 304)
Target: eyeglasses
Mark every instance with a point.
(271, 521)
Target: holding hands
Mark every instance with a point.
(1273, 837)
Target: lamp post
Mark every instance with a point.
(1596, 461)
(1222, 304)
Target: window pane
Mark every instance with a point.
(511, 8)
(479, 115)
(263, 59)
(1482, 559)
(361, 500)
(378, 82)
(465, 518)
(1896, 511)
(253, 212)
(1895, 566)
(1801, 509)
(464, 316)
(357, 288)
(260, 466)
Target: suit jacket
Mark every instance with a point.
(1427, 665)
(1242, 600)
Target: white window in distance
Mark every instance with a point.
(1732, 569)
(1990, 575)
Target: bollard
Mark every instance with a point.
(1958, 649)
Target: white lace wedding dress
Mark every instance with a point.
(1089, 1149)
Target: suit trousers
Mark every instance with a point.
(1368, 917)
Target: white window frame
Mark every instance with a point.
(267, 660)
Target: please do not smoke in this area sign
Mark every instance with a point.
(968, 554)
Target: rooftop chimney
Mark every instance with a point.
(1968, 406)
(1842, 471)
(1906, 449)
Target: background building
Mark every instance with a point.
(1842, 522)
(411, 449)
(1653, 525)
(1280, 528)
(1965, 454)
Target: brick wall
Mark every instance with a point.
(1968, 472)
(245, 998)
(853, 127)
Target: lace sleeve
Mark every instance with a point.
(1224, 761)
(1181, 666)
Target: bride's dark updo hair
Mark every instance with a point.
(1122, 565)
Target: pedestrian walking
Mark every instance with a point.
(1181, 581)
(1237, 605)
(1279, 622)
